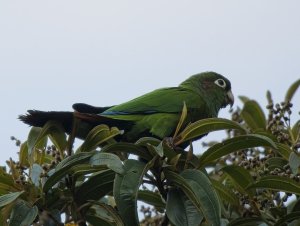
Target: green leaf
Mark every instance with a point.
(23, 155)
(152, 198)
(9, 198)
(35, 174)
(284, 150)
(98, 135)
(126, 189)
(112, 161)
(198, 188)
(253, 115)
(34, 139)
(66, 166)
(296, 129)
(102, 214)
(181, 211)
(276, 162)
(127, 148)
(288, 218)
(181, 120)
(294, 162)
(246, 221)
(244, 99)
(205, 126)
(95, 187)
(234, 144)
(292, 90)
(278, 183)
(240, 177)
(225, 193)
(23, 214)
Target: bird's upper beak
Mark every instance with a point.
(230, 98)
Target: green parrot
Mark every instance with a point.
(153, 114)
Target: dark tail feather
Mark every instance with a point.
(86, 108)
(40, 118)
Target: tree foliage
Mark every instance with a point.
(250, 178)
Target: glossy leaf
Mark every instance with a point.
(181, 211)
(253, 115)
(284, 150)
(34, 140)
(292, 90)
(234, 144)
(152, 198)
(247, 221)
(102, 214)
(288, 218)
(95, 187)
(278, 183)
(240, 177)
(126, 189)
(9, 198)
(127, 148)
(98, 135)
(225, 193)
(23, 214)
(205, 126)
(112, 161)
(200, 191)
(181, 120)
(64, 167)
(276, 162)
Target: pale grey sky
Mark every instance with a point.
(55, 53)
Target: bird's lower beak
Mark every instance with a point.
(230, 98)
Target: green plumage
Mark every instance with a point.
(156, 113)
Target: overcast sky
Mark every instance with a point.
(55, 53)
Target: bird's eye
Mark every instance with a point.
(221, 83)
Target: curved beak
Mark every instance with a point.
(230, 98)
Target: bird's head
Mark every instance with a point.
(213, 87)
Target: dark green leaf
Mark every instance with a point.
(246, 221)
(98, 135)
(152, 198)
(112, 161)
(23, 214)
(33, 139)
(102, 214)
(205, 126)
(95, 187)
(200, 191)
(278, 183)
(225, 193)
(291, 91)
(276, 162)
(66, 166)
(181, 211)
(23, 155)
(234, 144)
(126, 189)
(253, 115)
(240, 176)
(284, 150)
(296, 129)
(9, 198)
(288, 218)
(181, 120)
(127, 148)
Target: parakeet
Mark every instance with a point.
(153, 114)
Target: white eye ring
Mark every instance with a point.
(221, 83)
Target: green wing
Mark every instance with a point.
(158, 112)
(166, 100)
